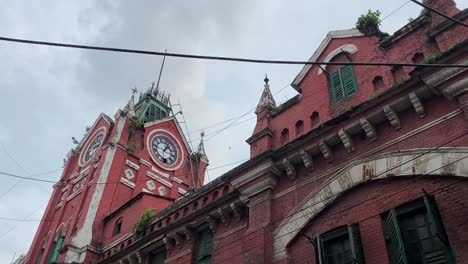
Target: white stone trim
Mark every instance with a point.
(159, 179)
(132, 165)
(331, 35)
(182, 191)
(402, 163)
(348, 48)
(82, 175)
(153, 168)
(147, 191)
(384, 146)
(73, 195)
(146, 163)
(126, 182)
(59, 205)
(179, 181)
(64, 189)
(84, 234)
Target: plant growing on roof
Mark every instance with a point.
(369, 23)
(137, 124)
(144, 221)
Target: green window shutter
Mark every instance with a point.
(205, 245)
(441, 252)
(159, 257)
(356, 244)
(320, 253)
(397, 249)
(348, 79)
(54, 255)
(336, 87)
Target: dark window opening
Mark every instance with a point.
(117, 227)
(418, 58)
(284, 136)
(314, 119)
(378, 83)
(341, 246)
(204, 247)
(299, 127)
(416, 235)
(158, 256)
(398, 74)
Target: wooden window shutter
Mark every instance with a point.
(397, 248)
(349, 80)
(320, 253)
(336, 87)
(441, 252)
(204, 247)
(356, 244)
(56, 250)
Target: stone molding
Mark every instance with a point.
(403, 163)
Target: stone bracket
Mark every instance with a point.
(326, 150)
(418, 107)
(346, 139)
(307, 160)
(368, 128)
(289, 168)
(392, 117)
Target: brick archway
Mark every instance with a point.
(443, 161)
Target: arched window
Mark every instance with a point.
(418, 58)
(341, 79)
(284, 136)
(398, 74)
(314, 119)
(299, 127)
(378, 82)
(117, 226)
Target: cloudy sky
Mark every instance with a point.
(50, 94)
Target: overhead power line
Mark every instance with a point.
(439, 13)
(396, 10)
(220, 58)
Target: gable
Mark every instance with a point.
(323, 45)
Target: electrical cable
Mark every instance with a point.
(220, 58)
(439, 13)
(394, 11)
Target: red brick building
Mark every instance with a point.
(364, 165)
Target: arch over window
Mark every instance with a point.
(284, 136)
(299, 127)
(347, 48)
(314, 119)
(118, 226)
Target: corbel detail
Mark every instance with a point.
(222, 216)
(236, 211)
(178, 240)
(326, 150)
(307, 160)
(346, 139)
(392, 117)
(418, 107)
(368, 128)
(168, 243)
(211, 223)
(289, 168)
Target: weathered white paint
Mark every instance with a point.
(182, 191)
(132, 164)
(160, 172)
(348, 48)
(159, 179)
(179, 181)
(127, 183)
(84, 235)
(403, 163)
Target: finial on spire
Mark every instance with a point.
(266, 100)
(134, 91)
(266, 79)
(202, 135)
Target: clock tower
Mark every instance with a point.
(123, 167)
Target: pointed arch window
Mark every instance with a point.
(314, 119)
(117, 226)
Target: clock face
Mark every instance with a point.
(164, 149)
(93, 147)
